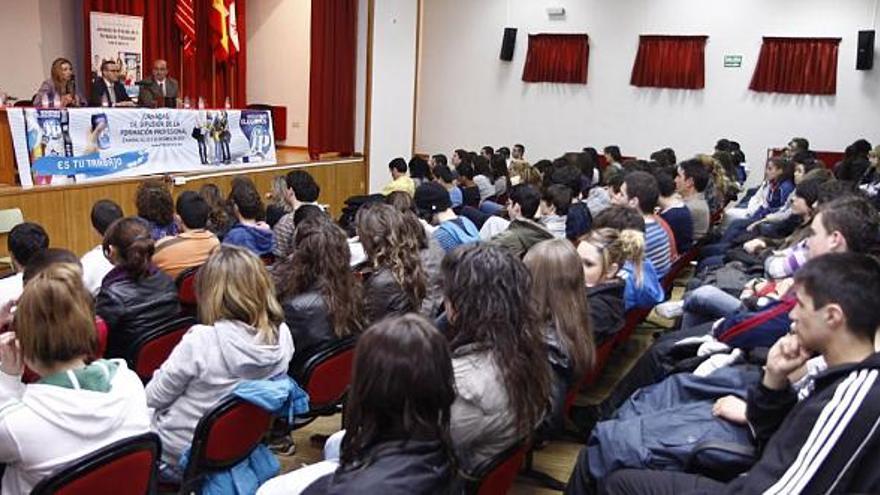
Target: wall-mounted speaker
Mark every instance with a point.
(508, 42)
(865, 53)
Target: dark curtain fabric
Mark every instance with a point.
(332, 78)
(559, 58)
(797, 66)
(676, 62)
(199, 75)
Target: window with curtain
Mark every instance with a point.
(797, 66)
(559, 58)
(676, 62)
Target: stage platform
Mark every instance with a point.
(64, 210)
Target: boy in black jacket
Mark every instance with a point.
(827, 442)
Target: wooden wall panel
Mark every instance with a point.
(64, 210)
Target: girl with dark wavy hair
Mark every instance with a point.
(430, 251)
(502, 375)
(397, 437)
(398, 282)
(321, 298)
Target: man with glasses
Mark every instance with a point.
(108, 90)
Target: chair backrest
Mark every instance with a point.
(152, 349)
(126, 467)
(326, 374)
(186, 286)
(9, 218)
(100, 328)
(225, 436)
(496, 476)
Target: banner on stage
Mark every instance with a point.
(56, 145)
(118, 38)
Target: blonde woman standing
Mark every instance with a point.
(242, 337)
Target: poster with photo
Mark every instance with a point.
(118, 38)
(82, 144)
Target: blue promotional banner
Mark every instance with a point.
(95, 143)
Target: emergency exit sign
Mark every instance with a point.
(733, 61)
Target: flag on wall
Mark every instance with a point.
(184, 17)
(224, 34)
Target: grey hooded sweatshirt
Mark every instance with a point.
(202, 370)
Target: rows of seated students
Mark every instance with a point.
(479, 291)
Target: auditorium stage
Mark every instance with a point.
(64, 210)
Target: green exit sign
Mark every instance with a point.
(733, 61)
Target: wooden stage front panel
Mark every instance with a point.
(64, 210)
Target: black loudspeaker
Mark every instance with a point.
(865, 54)
(509, 42)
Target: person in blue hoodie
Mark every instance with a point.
(251, 231)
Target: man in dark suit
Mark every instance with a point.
(108, 88)
(159, 90)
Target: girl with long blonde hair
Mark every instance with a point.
(242, 336)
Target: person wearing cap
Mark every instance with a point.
(434, 205)
(401, 179)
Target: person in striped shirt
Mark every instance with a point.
(640, 191)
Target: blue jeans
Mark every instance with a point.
(707, 303)
(491, 207)
(736, 228)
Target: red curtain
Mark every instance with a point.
(560, 58)
(797, 65)
(199, 75)
(332, 78)
(676, 62)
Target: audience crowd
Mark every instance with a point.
(483, 293)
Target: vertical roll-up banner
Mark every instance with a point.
(118, 38)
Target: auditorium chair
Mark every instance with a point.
(150, 350)
(225, 436)
(125, 467)
(186, 290)
(678, 266)
(325, 374)
(496, 475)
(9, 218)
(28, 376)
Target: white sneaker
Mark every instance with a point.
(670, 310)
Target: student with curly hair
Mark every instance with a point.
(398, 282)
(156, 206)
(321, 297)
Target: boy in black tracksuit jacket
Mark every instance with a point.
(828, 442)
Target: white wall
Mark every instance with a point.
(393, 85)
(468, 97)
(360, 100)
(33, 33)
(279, 47)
